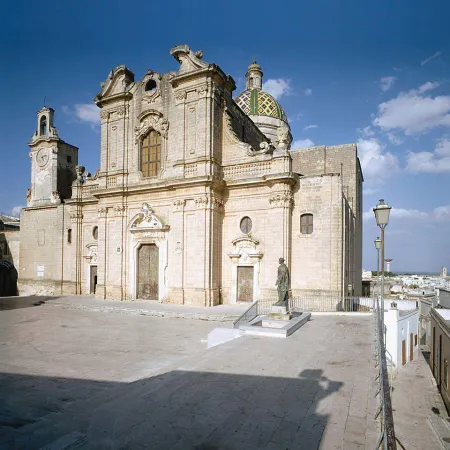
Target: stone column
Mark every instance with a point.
(102, 253)
(177, 244)
(283, 201)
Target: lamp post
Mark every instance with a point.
(382, 211)
(377, 243)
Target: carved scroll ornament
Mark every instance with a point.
(152, 121)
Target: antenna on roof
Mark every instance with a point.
(45, 98)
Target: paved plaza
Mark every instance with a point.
(83, 378)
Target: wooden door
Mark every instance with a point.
(411, 347)
(244, 284)
(93, 281)
(148, 271)
(403, 352)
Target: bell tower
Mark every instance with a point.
(53, 163)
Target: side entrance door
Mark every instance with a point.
(411, 347)
(148, 270)
(245, 283)
(93, 282)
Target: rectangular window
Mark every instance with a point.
(415, 340)
(306, 224)
(69, 158)
(69, 236)
(151, 154)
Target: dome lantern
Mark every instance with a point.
(254, 76)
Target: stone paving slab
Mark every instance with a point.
(52, 358)
(414, 395)
(220, 313)
(251, 393)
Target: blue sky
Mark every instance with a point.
(374, 73)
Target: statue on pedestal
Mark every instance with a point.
(283, 283)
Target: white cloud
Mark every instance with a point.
(394, 139)
(309, 127)
(84, 112)
(370, 191)
(427, 87)
(277, 87)
(307, 92)
(412, 112)
(399, 213)
(442, 212)
(427, 60)
(296, 117)
(302, 143)
(439, 213)
(376, 163)
(15, 212)
(366, 132)
(437, 161)
(387, 82)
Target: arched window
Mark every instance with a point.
(151, 154)
(43, 126)
(251, 82)
(150, 85)
(306, 223)
(69, 236)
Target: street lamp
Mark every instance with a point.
(382, 211)
(377, 243)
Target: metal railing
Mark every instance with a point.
(247, 316)
(322, 303)
(384, 411)
(310, 303)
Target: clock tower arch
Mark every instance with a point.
(53, 163)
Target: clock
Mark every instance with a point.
(42, 157)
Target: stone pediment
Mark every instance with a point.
(189, 61)
(118, 82)
(151, 120)
(147, 220)
(245, 249)
(92, 253)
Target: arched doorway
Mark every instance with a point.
(148, 272)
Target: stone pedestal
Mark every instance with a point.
(279, 313)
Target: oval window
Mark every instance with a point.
(246, 225)
(95, 233)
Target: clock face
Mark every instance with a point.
(42, 157)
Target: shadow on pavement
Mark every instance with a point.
(8, 303)
(176, 410)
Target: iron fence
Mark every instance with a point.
(311, 303)
(315, 303)
(384, 411)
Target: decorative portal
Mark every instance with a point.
(245, 267)
(148, 263)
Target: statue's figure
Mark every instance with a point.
(283, 283)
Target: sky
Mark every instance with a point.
(373, 73)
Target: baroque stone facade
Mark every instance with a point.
(196, 198)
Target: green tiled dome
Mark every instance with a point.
(257, 102)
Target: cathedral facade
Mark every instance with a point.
(197, 197)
